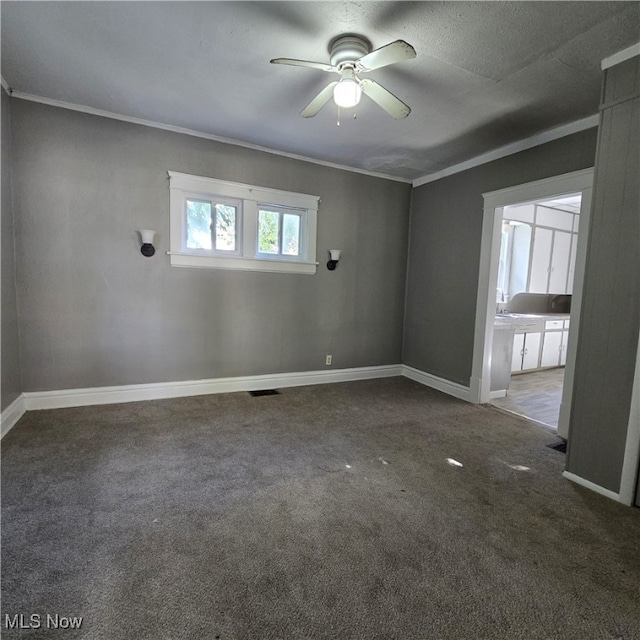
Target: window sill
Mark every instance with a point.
(241, 263)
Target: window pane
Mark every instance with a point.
(268, 232)
(198, 224)
(225, 227)
(291, 234)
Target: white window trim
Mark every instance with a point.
(183, 186)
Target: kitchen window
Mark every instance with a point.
(227, 225)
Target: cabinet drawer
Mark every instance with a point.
(553, 324)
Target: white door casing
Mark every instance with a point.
(494, 202)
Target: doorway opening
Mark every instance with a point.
(528, 290)
(536, 270)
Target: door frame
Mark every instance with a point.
(494, 203)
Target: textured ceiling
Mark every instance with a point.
(486, 73)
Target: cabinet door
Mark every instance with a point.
(551, 349)
(518, 352)
(572, 261)
(531, 358)
(563, 350)
(540, 261)
(520, 253)
(559, 273)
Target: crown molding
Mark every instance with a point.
(509, 149)
(621, 56)
(197, 134)
(496, 154)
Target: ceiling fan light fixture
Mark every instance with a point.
(351, 54)
(347, 93)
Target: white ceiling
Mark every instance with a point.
(486, 74)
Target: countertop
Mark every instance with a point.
(520, 321)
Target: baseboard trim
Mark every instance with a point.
(440, 384)
(11, 415)
(501, 393)
(587, 484)
(59, 399)
(35, 400)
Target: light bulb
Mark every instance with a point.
(347, 93)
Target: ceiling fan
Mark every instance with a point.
(351, 55)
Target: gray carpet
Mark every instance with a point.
(324, 512)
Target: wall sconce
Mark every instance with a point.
(147, 249)
(335, 256)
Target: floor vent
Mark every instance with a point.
(264, 392)
(560, 446)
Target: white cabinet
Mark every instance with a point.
(554, 344)
(518, 352)
(559, 267)
(551, 349)
(541, 249)
(540, 261)
(563, 350)
(539, 343)
(551, 261)
(526, 351)
(531, 356)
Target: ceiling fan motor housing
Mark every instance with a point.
(348, 49)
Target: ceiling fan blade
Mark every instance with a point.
(305, 63)
(319, 101)
(389, 54)
(392, 105)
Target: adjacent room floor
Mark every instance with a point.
(535, 395)
(366, 510)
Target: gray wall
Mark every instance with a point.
(11, 384)
(610, 315)
(94, 311)
(444, 252)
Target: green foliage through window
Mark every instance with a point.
(225, 227)
(278, 233)
(268, 232)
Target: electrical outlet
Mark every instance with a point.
(328, 360)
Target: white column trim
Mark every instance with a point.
(5, 86)
(631, 463)
(11, 415)
(587, 484)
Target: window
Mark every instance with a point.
(228, 225)
(279, 231)
(217, 233)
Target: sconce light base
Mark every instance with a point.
(332, 264)
(147, 250)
